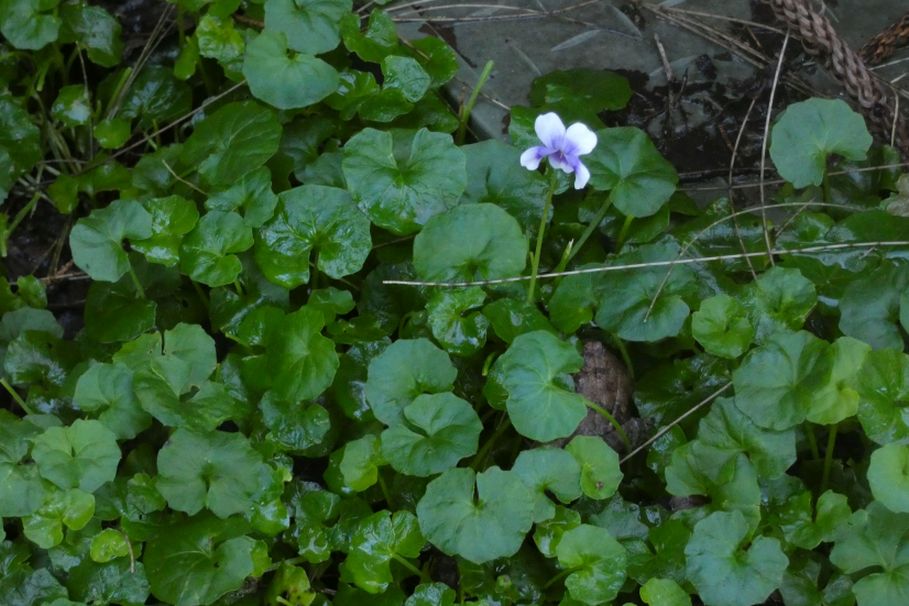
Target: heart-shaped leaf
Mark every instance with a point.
(377, 540)
(479, 524)
(311, 26)
(460, 333)
(722, 327)
(438, 431)
(600, 473)
(84, 455)
(107, 391)
(597, 562)
(883, 388)
(97, 240)
(807, 133)
(313, 218)
(28, 24)
(888, 477)
(283, 78)
(302, 362)
(172, 218)
(402, 180)
(206, 254)
(251, 196)
(549, 470)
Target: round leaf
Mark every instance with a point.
(478, 527)
(311, 26)
(283, 78)
(217, 470)
(172, 218)
(107, 390)
(96, 241)
(402, 180)
(206, 253)
(600, 473)
(439, 430)
(889, 478)
(725, 574)
(722, 327)
(883, 388)
(251, 196)
(406, 369)
(549, 470)
(84, 455)
(301, 361)
(471, 242)
(534, 372)
(313, 218)
(459, 333)
(806, 133)
(27, 24)
(597, 562)
(627, 164)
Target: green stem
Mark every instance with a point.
(15, 395)
(826, 187)
(467, 108)
(136, 282)
(24, 211)
(812, 442)
(828, 456)
(480, 459)
(538, 251)
(612, 421)
(591, 227)
(238, 287)
(201, 294)
(403, 562)
(558, 577)
(623, 233)
(384, 488)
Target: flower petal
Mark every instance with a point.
(581, 176)
(531, 158)
(580, 139)
(550, 130)
(563, 162)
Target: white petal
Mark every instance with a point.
(580, 139)
(581, 176)
(531, 158)
(550, 130)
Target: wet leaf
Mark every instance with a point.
(84, 455)
(600, 473)
(97, 240)
(283, 78)
(597, 562)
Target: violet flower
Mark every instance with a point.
(563, 147)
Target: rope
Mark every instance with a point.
(885, 43)
(877, 101)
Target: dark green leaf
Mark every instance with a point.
(283, 78)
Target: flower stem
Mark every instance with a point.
(136, 282)
(480, 459)
(591, 227)
(828, 457)
(812, 442)
(623, 233)
(535, 260)
(15, 395)
(403, 562)
(467, 108)
(612, 421)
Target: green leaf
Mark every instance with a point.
(437, 431)
(379, 40)
(115, 311)
(20, 142)
(217, 470)
(888, 477)
(311, 26)
(402, 180)
(21, 491)
(459, 333)
(438, 59)
(73, 106)
(293, 427)
(72, 508)
(806, 133)
(235, 140)
(871, 306)
(209, 405)
(405, 75)
(218, 39)
(581, 90)
(597, 562)
(600, 473)
(495, 176)
(156, 96)
(106, 391)
(289, 587)
(111, 133)
(301, 361)
(470, 242)
(360, 461)
(627, 164)
(108, 545)
(883, 388)
(406, 369)
(548, 533)
(197, 560)
(722, 327)
(432, 594)
(172, 218)
(723, 571)
(377, 540)
(29, 24)
(96, 241)
(313, 219)
(478, 527)
(206, 252)
(251, 194)
(549, 470)
(664, 592)
(116, 582)
(806, 530)
(84, 455)
(780, 299)
(510, 318)
(314, 511)
(283, 78)
(875, 538)
(96, 30)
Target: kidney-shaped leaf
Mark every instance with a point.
(302, 361)
(535, 373)
(403, 180)
(377, 540)
(207, 253)
(283, 78)
(597, 562)
(549, 470)
(883, 388)
(439, 430)
(84, 455)
(724, 573)
(600, 473)
(172, 218)
(470, 242)
(627, 164)
(97, 240)
(312, 26)
(480, 525)
(810, 131)
(406, 369)
(889, 478)
(215, 469)
(313, 218)
(460, 333)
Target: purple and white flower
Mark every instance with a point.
(563, 147)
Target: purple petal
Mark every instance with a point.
(531, 158)
(580, 139)
(563, 162)
(550, 130)
(581, 176)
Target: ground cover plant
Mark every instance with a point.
(335, 352)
